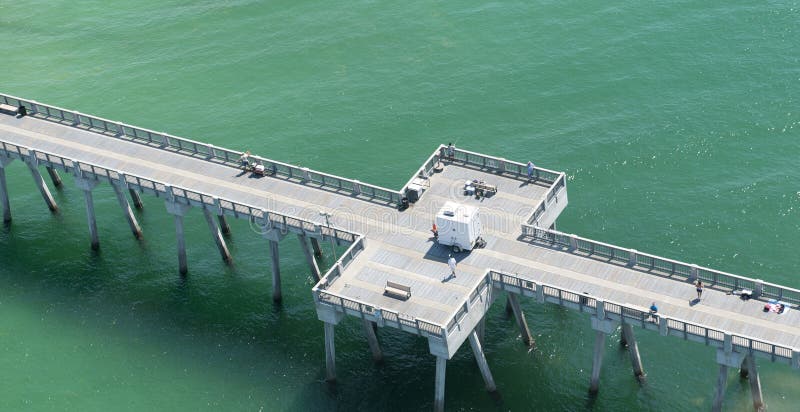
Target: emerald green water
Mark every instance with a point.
(676, 123)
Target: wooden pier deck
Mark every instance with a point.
(523, 254)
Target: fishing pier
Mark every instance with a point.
(393, 274)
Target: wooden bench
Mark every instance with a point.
(397, 290)
(9, 109)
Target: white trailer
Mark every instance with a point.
(459, 226)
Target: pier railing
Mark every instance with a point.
(269, 219)
(626, 313)
(355, 307)
(201, 150)
(468, 303)
(661, 266)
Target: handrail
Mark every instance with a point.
(323, 296)
(620, 312)
(207, 151)
(175, 193)
(656, 264)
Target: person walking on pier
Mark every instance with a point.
(452, 263)
(699, 288)
(435, 231)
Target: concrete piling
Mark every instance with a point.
(520, 317)
(276, 271)
(54, 177)
(633, 350)
(372, 339)
(137, 200)
(126, 210)
(312, 264)
(330, 353)
(477, 350)
(217, 235)
(33, 166)
(179, 210)
(315, 245)
(597, 361)
(87, 185)
(4, 194)
(441, 371)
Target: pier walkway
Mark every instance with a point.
(524, 256)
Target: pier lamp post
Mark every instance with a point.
(327, 216)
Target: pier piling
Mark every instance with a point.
(87, 185)
(483, 365)
(441, 371)
(126, 208)
(54, 177)
(315, 245)
(372, 339)
(137, 200)
(312, 264)
(330, 353)
(520, 317)
(4, 161)
(179, 210)
(217, 235)
(33, 166)
(633, 349)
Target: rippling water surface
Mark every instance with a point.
(676, 123)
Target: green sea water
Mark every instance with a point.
(676, 122)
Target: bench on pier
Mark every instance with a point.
(397, 290)
(9, 109)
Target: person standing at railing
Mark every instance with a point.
(245, 159)
(531, 168)
(451, 151)
(653, 312)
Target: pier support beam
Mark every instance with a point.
(330, 353)
(748, 370)
(441, 371)
(520, 317)
(315, 245)
(179, 210)
(597, 361)
(126, 210)
(372, 339)
(54, 176)
(312, 264)
(480, 329)
(722, 384)
(223, 225)
(477, 350)
(137, 200)
(633, 349)
(217, 235)
(726, 358)
(603, 328)
(87, 185)
(4, 161)
(33, 165)
(276, 271)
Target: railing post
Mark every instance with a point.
(633, 258)
(573, 243)
(306, 174)
(759, 288)
(695, 272)
(356, 187)
(77, 118)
